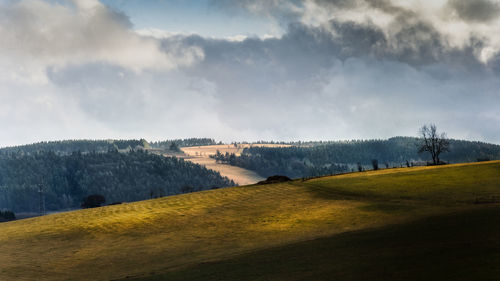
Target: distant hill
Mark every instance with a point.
(67, 178)
(70, 146)
(322, 158)
(166, 144)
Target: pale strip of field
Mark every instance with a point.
(239, 175)
(207, 150)
(201, 155)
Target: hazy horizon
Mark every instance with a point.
(217, 141)
(248, 70)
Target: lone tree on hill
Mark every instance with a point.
(433, 142)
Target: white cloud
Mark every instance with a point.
(40, 39)
(36, 32)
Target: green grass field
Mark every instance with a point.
(417, 223)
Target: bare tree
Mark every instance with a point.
(433, 142)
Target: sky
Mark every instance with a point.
(248, 70)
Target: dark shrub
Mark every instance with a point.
(93, 201)
(275, 179)
(375, 164)
(7, 215)
(187, 189)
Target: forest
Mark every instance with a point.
(122, 170)
(308, 159)
(167, 144)
(84, 146)
(65, 179)
(70, 146)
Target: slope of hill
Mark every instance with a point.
(220, 234)
(456, 246)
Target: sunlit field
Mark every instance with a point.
(201, 155)
(223, 148)
(207, 234)
(239, 175)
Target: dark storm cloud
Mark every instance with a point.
(305, 47)
(348, 76)
(408, 38)
(475, 11)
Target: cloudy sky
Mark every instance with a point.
(248, 69)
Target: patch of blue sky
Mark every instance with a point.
(200, 17)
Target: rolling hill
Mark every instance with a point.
(441, 222)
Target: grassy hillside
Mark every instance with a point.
(457, 246)
(221, 233)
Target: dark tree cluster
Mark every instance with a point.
(70, 146)
(275, 179)
(275, 164)
(6, 215)
(119, 177)
(93, 201)
(323, 158)
(167, 144)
